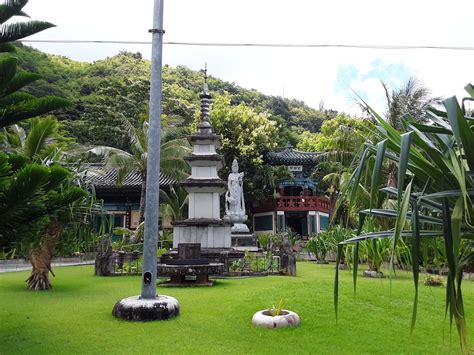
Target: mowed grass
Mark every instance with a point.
(75, 317)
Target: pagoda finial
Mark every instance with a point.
(204, 126)
(205, 87)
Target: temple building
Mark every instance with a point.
(121, 202)
(298, 204)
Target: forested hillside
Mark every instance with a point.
(109, 90)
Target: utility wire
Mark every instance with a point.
(268, 45)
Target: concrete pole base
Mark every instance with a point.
(137, 309)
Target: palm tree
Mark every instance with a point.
(412, 98)
(172, 153)
(173, 204)
(41, 143)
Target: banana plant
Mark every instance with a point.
(434, 191)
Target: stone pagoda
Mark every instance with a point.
(204, 224)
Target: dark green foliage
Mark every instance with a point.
(17, 106)
(31, 194)
(107, 91)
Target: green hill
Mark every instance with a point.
(106, 91)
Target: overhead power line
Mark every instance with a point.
(268, 45)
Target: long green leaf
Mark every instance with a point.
(462, 132)
(470, 90)
(415, 253)
(400, 221)
(357, 175)
(376, 174)
(355, 267)
(336, 279)
(431, 129)
(405, 146)
(447, 194)
(389, 234)
(393, 214)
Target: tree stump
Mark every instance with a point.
(104, 259)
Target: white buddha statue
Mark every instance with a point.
(234, 200)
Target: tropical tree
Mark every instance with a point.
(40, 142)
(412, 98)
(434, 191)
(34, 207)
(174, 204)
(35, 195)
(246, 135)
(339, 142)
(171, 157)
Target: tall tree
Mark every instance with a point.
(412, 98)
(340, 141)
(246, 135)
(172, 153)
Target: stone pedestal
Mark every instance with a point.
(244, 241)
(209, 233)
(187, 267)
(189, 275)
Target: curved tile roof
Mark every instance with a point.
(102, 178)
(290, 156)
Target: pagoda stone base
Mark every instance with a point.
(209, 236)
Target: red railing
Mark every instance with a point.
(302, 203)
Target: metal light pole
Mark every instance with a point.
(149, 306)
(153, 161)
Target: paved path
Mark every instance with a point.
(20, 265)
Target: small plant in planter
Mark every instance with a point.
(278, 309)
(276, 317)
(434, 281)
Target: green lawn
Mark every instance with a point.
(75, 317)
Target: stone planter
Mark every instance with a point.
(264, 319)
(137, 309)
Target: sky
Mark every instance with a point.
(313, 75)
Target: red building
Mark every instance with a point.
(298, 204)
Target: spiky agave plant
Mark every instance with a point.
(435, 184)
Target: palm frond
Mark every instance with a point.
(42, 130)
